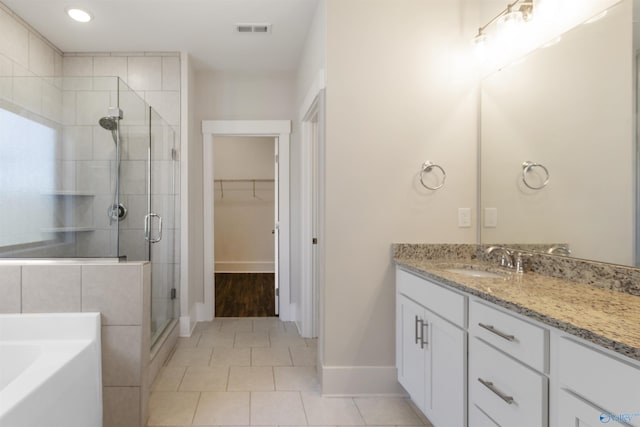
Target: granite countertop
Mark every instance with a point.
(604, 317)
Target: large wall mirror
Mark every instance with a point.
(568, 109)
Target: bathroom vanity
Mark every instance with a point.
(505, 349)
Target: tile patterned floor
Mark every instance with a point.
(258, 372)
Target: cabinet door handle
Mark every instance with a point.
(493, 330)
(493, 388)
(424, 340)
(418, 329)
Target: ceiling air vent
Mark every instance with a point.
(253, 28)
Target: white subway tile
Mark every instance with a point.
(167, 104)
(103, 146)
(50, 289)
(14, 42)
(94, 177)
(170, 73)
(52, 101)
(77, 66)
(121, 355)
(76, 143)
(27, 93)
(10, 289)
(91, 107)
(41, 56)
(111, 66)
(115, 291)
(145, 73)
(69, 108)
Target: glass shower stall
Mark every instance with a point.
(89, 170)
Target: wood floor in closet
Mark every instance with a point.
(245, 295)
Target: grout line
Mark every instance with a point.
(291, 357)
(273, 375)
(184, 374)
(193, 417)
(306, 417)
(359, 411)
(226, 387)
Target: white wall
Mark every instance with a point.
(244, 211)
(399, 92)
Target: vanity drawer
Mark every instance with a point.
(495, 379)
(609, 383)
(446, 303)
(526, 342)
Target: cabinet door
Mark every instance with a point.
(411, 357)
(446, 394)
(574, 411)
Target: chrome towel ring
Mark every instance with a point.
(428, 167)
(527, 167)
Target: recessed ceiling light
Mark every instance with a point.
(79, 15)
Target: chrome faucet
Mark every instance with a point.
(507, 256)
(510, 258)
(559, 249)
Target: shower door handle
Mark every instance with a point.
(147, 227)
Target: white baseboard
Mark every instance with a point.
(360, 381)
(186, 326)
(244, 267)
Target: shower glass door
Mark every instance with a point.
(148, 193)
(161, 222)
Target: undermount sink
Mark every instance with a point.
(470, 272)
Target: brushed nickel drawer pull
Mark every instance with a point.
(424, 340)
(418, 330)
(500, 394)
(491, 329)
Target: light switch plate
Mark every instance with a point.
(464, 217)
(490, 217)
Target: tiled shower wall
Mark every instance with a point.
(155, 78)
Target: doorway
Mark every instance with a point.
(279, 130)
(245, 214)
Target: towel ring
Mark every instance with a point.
(428, 167)
(526, 168)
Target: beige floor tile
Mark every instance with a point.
(169, 378)
(268, 325)
(290, 327)
(296, 378)
(237, 325)
(251, 339)
(190, 357)
(304, 356)
(250, 379)
(287, 341)
(223, 356)
(387, 411)
(223, 408)
(205, 378)
(282, 408)
(208, 326)
(278, 356)
(188, 342)
(312, 342)
(223, 339)
(331, 410)
(172, 408)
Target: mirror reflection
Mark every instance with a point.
(558, 151)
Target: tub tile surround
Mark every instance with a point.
(122, 293)
(594, 301)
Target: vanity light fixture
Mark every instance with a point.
(79, 15)
(515, 13)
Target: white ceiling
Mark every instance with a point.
(204, 28)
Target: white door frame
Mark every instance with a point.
(280, 129)
(311, 298)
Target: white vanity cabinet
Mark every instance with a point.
(516, 372)
(431, 350)
(594, 388)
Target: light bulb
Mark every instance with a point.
(480, 45)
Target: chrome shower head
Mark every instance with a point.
(109, 123)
